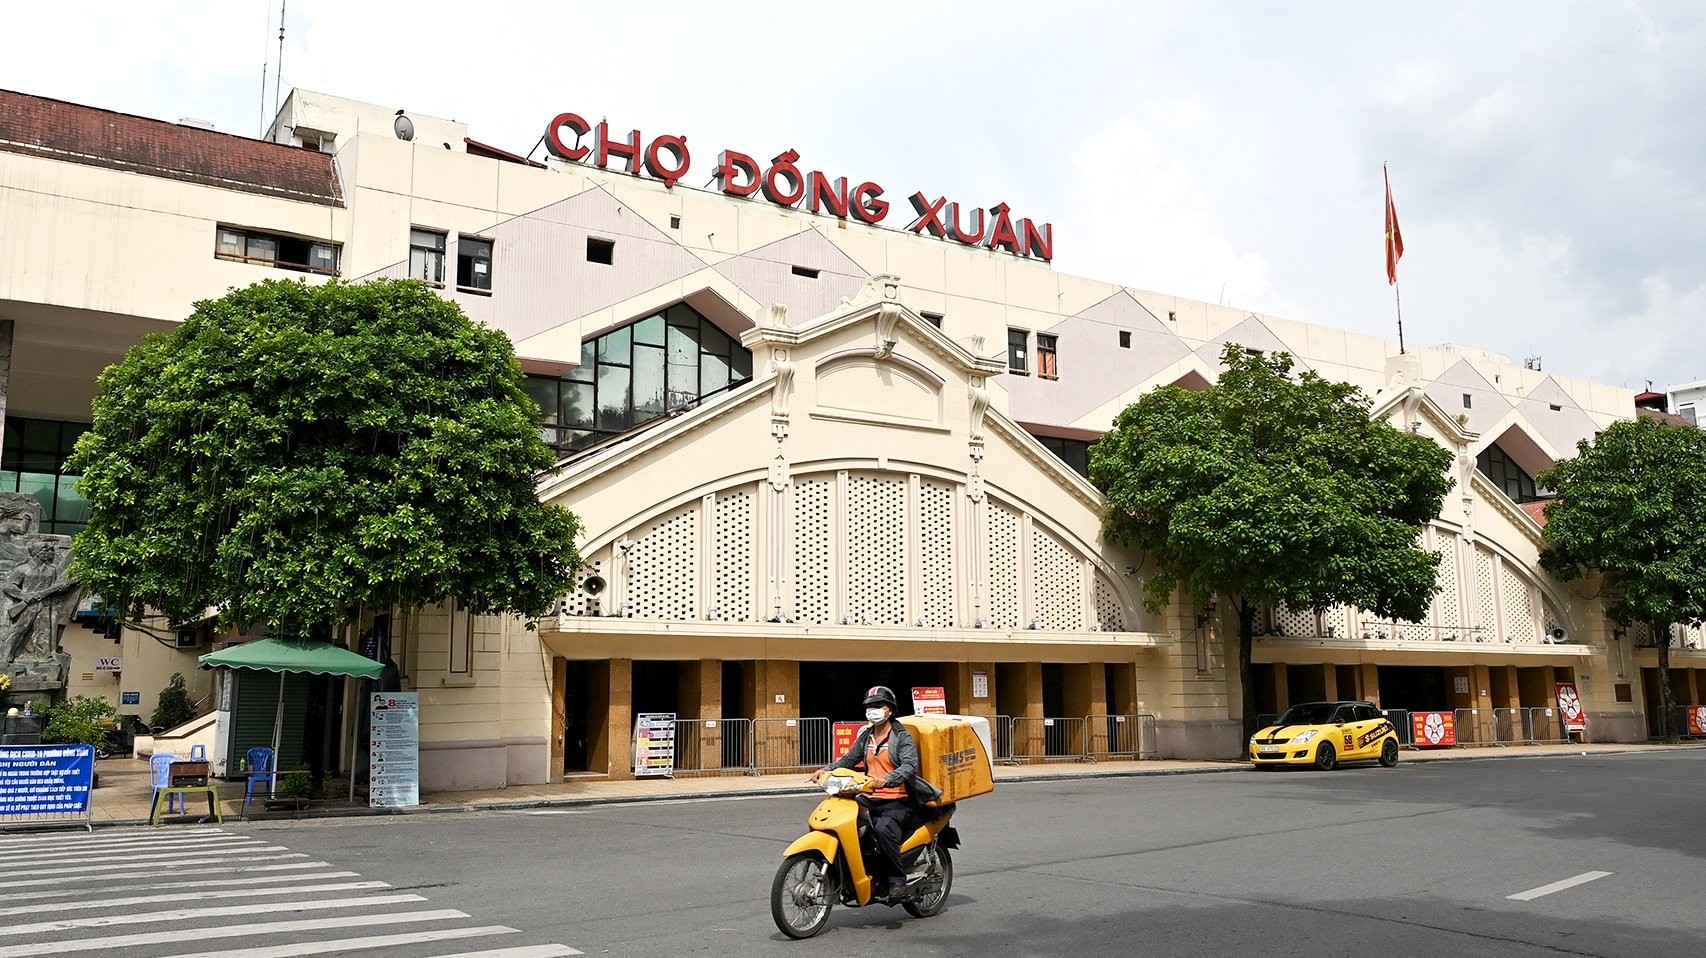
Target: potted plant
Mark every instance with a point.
(295, 791)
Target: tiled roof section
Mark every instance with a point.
(54, 129)
(1647, 396)
(1665, 417)
(1537, 509)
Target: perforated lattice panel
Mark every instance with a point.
(1691, 636)
(1291, 621)
(1057, 581)
(1337, 622)
(577, 602)
(936, 541)
(731, 557)
(663, 568)
(1486, 607)
(876, 550)
(1108, 607)
(1641, 634)
(1003, 567)
(1519, 609)
(1448, 601)
(812, 551)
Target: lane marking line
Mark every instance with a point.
(105, 942)
(1534, 893)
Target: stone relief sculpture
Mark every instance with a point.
(37, 597)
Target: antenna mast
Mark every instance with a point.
(264, 65)
(278, 85)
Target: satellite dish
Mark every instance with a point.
(404, 127)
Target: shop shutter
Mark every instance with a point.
(255, 705)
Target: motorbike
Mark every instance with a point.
(827, 864)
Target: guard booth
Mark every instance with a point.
(248, 707)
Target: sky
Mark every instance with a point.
(1547, 157)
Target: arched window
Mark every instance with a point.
(670, 360)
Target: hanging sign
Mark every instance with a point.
(394, 750)
(109, 663)
(1570, 708)
(654, 744)
(930, 700)
(782, 182)
(1433, 729)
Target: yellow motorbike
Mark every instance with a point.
(827, 864)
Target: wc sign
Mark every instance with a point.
(109, 663)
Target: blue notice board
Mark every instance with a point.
(130, 698)
(46, 779)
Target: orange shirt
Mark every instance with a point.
(879, 765)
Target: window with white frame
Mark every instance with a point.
(242, 245)
(426, 256)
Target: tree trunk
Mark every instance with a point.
(1246, 670)
(1667, 697)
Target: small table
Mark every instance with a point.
(187, 778)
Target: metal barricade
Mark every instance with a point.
(1048, 740)
(703, 746)
(1263, 721)
(1112, 736)
(1509, 726)
(1001, 729)
(1544, 726)
(1474, 726)
(1400, 719)
(790, 744)
(1147, 742)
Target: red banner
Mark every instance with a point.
(1696, 719)
(1433, 729)
(843, 734)
(1570, 708)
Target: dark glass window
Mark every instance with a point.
(600, 250)
(1018, 350)
(1506, 474)
(474, 264)
(276, 250)
(1074, 452)
(34, 461)
(630, 376)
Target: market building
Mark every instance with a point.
(822, 434)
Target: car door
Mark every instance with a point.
(1370, 730)
(1345, 731)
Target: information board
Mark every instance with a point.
(929, 700)
(1433, 729)
(654, 744)
(46, 779)
(843, 735)
(394, 752)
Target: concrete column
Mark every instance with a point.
(6, 329)
(1330, 681)
(617, 741)
(1122, 695)
(1371, 682)
(776, 743)
(559, 715)
(701, 698)
(1282, 687)
(1087, 695)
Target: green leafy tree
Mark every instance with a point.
(292, 453)
(1628, 515)
(173, 707)
(78, 721)
(1268, 488)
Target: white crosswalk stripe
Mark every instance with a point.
(69, 895)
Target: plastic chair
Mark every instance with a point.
(263, 767)
(160, 766)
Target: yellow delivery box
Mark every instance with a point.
(953, 754)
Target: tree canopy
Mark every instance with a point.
(1269, 488)
(293, 453)
(1629, 512)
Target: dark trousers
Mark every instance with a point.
(891, 823)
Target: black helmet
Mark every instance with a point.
(881, 695)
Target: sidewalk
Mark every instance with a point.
(124, 795)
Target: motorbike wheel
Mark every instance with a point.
(938, 880)
(802, 895)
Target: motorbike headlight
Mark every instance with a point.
(1308, 736)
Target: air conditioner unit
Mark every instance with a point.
(188, 638)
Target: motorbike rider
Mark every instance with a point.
(890, 756)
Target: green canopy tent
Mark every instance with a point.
(281, 655)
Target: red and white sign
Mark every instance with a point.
(783, 183)
(1570, 708)
(1697, 719)
(930, 700)
(109, 663)
(1433, 729)
(842, 734)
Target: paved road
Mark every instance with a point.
(1556, 856)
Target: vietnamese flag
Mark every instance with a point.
(1394, 239)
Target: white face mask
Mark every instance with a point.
(875, 715)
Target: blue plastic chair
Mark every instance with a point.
(263, 767)
(160, 766)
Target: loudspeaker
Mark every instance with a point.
(592, 584)
(1557, 636)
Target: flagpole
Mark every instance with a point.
(1399, 303)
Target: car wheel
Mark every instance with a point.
(1389, 753)
(1326, 759)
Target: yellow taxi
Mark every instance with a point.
(1323, 734)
